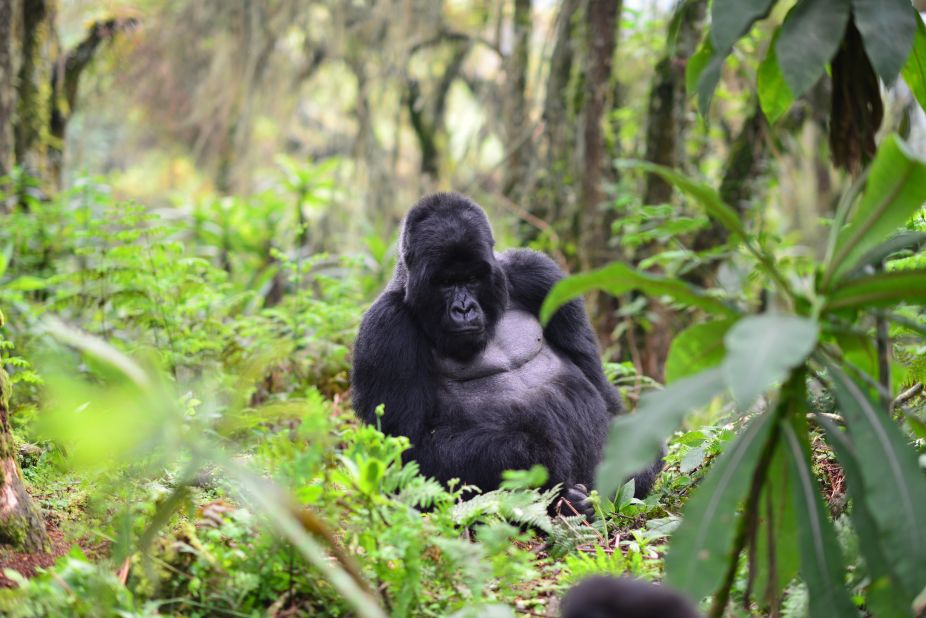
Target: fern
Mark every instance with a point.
(527, 507)
(568, 533)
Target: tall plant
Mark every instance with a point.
(760, 498)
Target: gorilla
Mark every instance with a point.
(454, 350)
(603, 596)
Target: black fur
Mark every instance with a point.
(602, 596)
(446, 253)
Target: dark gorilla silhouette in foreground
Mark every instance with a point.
(455, 351)
(603, 596)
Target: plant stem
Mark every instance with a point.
(748, 522)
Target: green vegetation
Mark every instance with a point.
(179, 300)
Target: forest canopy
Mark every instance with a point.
(199, 200)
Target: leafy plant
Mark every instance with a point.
(760, 498)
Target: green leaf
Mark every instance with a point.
(777, 557)
(821, 562)
(883, 593)
(26, 283)
(707, 197)
(696, 65)
(902, 241)
(617, 278)
(887, 28)
(696, 348)
(914, 71)
(699, 549)
(762, 349)
(635, 439)
(894, 487)
(775, 98)
(895, 190)
(703, 73)
(731, 19)
(810, 37)
(879, 290)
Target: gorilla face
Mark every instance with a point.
(454, 284)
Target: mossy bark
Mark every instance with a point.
(7, 93)
(39, 45)
(20, 523)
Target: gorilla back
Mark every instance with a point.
(454, 350)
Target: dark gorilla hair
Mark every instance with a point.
(603, 596)
(445, 233)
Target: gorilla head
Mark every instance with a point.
(453, 282)
(603, 596)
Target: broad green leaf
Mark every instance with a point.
(696, 65)
(775, 97)
(762, 349)
(635, 439)
(914, 71)
(617, 278)
(731, 19)
(902, 241)
(887, 28)
(895, 190)
(885, 598)
(696, 348)
(821, 561)
(879, 290)
(702, 74)
(776, 567)
(699, 549)
(894, 486)
(707, 197)
(810, 37)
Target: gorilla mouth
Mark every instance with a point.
(467, 330)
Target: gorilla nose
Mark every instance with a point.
(464, 312)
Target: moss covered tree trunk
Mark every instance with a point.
(38, 49)
(666, 125)
(515, 106)
(7, 93)
(601, 20)
(20, 523)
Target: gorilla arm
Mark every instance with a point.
(393, 366)
(531, 275)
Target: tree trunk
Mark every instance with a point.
(666, 115)
(515, 109)
(7, 93)
(33, 113)
(547, 193)
(20, 523)
(601, 29)
(665, 143)
(65, 82)
(748, 156)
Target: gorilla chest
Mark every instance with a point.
(517, 366)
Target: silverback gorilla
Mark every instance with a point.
(455, 351)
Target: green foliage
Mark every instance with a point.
(914, 71)
(810, 36)
(760, 498)
(73, 587)
(803, 46)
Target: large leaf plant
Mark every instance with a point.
(760, 499)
